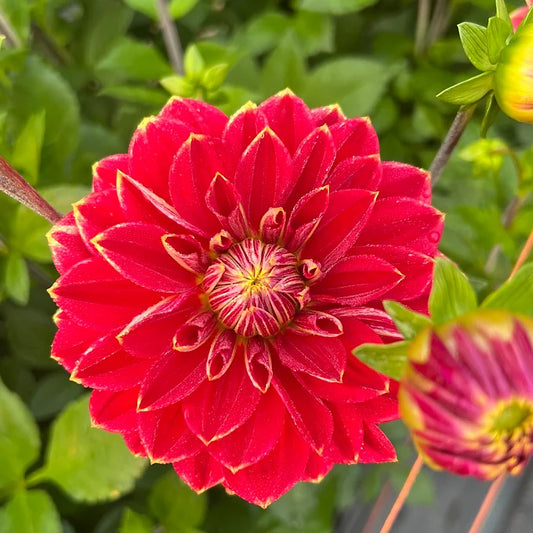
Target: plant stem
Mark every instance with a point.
(459, 124)
(170, 36)
(7, 29)
(375, 512)
(489, 500)
(400, 500)
(523, 254)
(14, 185)
(422, 21)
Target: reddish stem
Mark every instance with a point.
(523, 254)
(378, 506)
(484, 510)
(400, 500)
(14, 185)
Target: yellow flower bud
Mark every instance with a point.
(513, 79)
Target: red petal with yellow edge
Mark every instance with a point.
(197, 115)
(106, 170)
(404, 180)
(200, 472)
(353, 137)
(347, 436)
(114, 411)
(376, 446)
(358, 172)
(328, 115)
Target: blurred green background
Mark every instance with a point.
(77, 76)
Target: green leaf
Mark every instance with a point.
(18, 15)
(214, 77)
(17, 278)
(408, 322)
(177, 85)
(133, 60)
(515, 295)
(468, 91)
(175, 505)
(474, 40)
(133, 522)
(356, 84)
(451, 295)
(193, 63)
(19, 438)
(314, 31)
(497, 33)
(335, 7)
(52, 393)
(26, 154)
(177, 8)
(389, 359)
(137, 94)
(30, 512)
(491, 112)
(89, 464)
(501, 11)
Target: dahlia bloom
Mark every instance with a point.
(467, 394)
(518, 15)
(513, 78)
(217, 278)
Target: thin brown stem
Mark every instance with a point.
(400, 500)
(422, 22)
(526, 250)
(459, 124)
(170, 36)
(14, 185)
(378, 506)
(486, 506)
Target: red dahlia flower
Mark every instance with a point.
(214, 283)
(467, 394)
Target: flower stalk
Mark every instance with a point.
(170, 36)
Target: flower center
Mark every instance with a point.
(255, 288)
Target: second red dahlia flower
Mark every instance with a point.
(217, 278)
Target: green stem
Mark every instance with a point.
(170, 36)
(422, 22)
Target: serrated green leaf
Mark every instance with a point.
(451, 294)
(19, 438)
(30, 512)
(335, 7)
(89, 464)
(474, 40)
(408, 322)
(26, 154)
(175, 505)
(193, 63)
(515, 295)
(133, 522)
(468, 91)
(497, 33)
(389, 359)
(491, 112)
(17, 278)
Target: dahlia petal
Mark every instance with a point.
(98, 297)
(380, 409)
(71, 341)
(165, 435)
(268, 479)
(221, 354)
(312, 162)
(289, 118)
(152, 149)
(95, 213)
(194, 167)
(219, 407)
(134, 444)
(172, 378)
(200, 117)
(221, 242)
(313, 322)
(187, 251)
(272, 225)
(376, 319)
(311, 417)
(317, 468)
(324, 358)
(140, 203)
(347, 213)
(105, 171)
(305, 217)
(114, 411)
(357, 172)
(224, 201)
(355, 136)
(404, 180)
(242, 128)
(262, 175)
(255, 321)
(200, 472)
(258, 363)
(151, 333)
(356, 332)
(193, 333)
(356, 280)
(348, 434)
(328, 115)
(404, 222)
(106, 366)
(376, 446)
(252, 441)
(66, 244)
(136, 251)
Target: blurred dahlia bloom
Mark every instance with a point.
(217, 278)
(513, 78)
(467, 394)
(518, 15)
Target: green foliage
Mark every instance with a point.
(389, 359)
(408, 322)
(515, 295)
